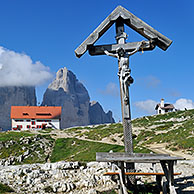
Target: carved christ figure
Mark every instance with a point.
(124, 70)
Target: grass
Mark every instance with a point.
(5, 189)
(37, 153)
(154, 129)
(181, 137)
(66, 149)
(72, 149)
(176, 129)
(47, 130)
(16, 148)
(159, 119)
(12, 135)
(98, 132)
(171, 128)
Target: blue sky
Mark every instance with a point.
(50, 30)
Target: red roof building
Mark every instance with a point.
(33, 117)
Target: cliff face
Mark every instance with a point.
(14, 96)
(66, 91)
(97, 114)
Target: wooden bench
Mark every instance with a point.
(157, 174)
(120, 159)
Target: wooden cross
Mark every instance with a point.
(122, 51)
(121, 16)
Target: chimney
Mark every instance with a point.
(162, 103)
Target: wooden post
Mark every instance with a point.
(125, 107)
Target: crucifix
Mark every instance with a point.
(122, 53)
(122, 50)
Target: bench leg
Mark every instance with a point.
(169, 174)
(122, 184)
(159, 182)
(171, 177)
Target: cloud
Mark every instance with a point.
(152, 82)
(111, 90)
(147, 106)
(174, 93)
(18, 69)
(149, 81)
(183, 103)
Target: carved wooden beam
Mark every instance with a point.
(128, 47)
(130, 20)
(135, 157)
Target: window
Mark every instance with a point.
(28, 126)
(43, 126)
(47, 121)
(25, 113)
(33, 122)
(38, 126)
(19, 126)
(28, 120)
(18, 120)
(43, 114)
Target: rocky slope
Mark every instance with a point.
(31, 149)
(76, 178)
(97, 114)
(14, 96)
(66, 91)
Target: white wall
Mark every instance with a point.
(161, 111)
(54, 123)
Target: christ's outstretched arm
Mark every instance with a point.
(137, 48)
(110, 54)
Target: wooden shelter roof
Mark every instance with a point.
(130, 20)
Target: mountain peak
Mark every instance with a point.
(66, 91)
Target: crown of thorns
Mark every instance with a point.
(120, 49)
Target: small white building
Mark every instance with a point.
(35, 117)
(162, 107)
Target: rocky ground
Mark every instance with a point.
(76, 178)
(60, 177)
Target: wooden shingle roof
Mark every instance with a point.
(166, 106)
